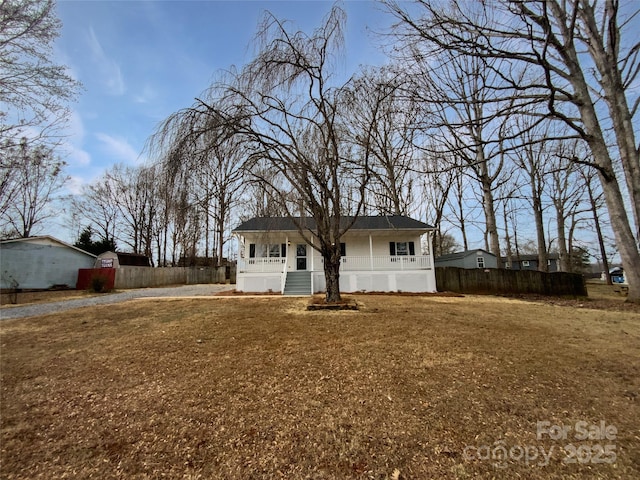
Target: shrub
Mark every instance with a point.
(99, 284)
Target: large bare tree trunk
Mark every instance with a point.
(620, 221)
(460, 211)
(331, 257)
(564, 261)
(623, 234)
(490, 214)
(605, 53)
(507, 238)
(560, 43)
(605, 50)
(541, 239)
(596, 222)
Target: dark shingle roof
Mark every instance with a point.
(388, 222)
(532, 256)
(457, 255)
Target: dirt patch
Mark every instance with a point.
(318, 302)
(236, 293)
(408, 387)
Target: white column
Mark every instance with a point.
(430, 243)
(312, 255)
(370, 252)
(240, 263)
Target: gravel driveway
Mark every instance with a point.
(54, 307)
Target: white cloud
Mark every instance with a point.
(75, 155)
(147, 95)
(119, 148)
(108, 69)
(74, 185)
(78, 157)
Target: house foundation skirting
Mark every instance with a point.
(415, 281)
(259, 282)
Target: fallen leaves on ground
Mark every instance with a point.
(259, 388)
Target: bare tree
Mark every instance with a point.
(33, 90)
(284, 105)
(165, 195)
(436, 182)
(205, 156)
(571, 55)
(534, 157)
(258, 199)
(9, 171)
(133, 194)
(595, 202)
(507, 236)
(385, 120)
(565, 193)
(466, 117)
(37, 179)
(457, 207)
(97, 207)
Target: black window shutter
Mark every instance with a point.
(412, 248)
(252, 250)
(392, 249)
(343, 249)
(283, 250)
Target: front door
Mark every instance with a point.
(301, 256)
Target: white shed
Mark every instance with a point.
(107, 260)
(41, 263)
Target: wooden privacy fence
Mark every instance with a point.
(143, 277)
(500, 281)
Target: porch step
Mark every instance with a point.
(298, 283)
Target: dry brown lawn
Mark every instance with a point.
(259, 388)
(9, 300)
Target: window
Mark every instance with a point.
(480, 261)
(525, 263)
(274, 250)
(264, 250)
(401, 248)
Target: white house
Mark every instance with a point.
(40, 263)
(379, 254)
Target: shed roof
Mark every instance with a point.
(46, 238)
(463, 254)
(288, 224)
(532, 257)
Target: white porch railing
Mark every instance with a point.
(272, 264)
(385, 262)
(348, 263)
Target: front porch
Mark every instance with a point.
(357, 274)
(351, 263)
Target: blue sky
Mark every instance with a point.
(140, 61)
